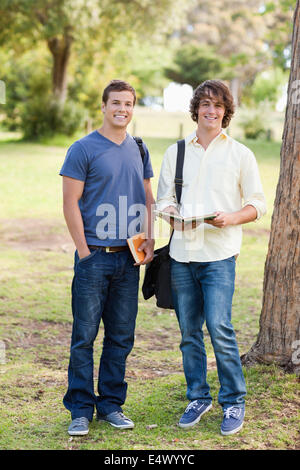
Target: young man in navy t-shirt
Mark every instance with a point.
(107, 198)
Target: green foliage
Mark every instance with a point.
(88, 38)
(41, 117)
(278, 14)
(26, 76)
(30, 106)
(268, 86)
(194, 64)
(253, 126)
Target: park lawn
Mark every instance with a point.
(35, 325)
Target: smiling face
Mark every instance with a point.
(210, 113)
(118, 109)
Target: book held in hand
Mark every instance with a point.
(134, 243)
(186, 220)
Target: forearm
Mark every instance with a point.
(150, 205)
(245, 215)
(75, 226)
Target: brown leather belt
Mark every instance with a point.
(109, 249)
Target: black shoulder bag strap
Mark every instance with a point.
(179, 169)
(179, 173)
(141, 147)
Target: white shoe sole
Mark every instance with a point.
(78, 433)
(189, 425)
(228, 433)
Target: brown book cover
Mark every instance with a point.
(134, 243)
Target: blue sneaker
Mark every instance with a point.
(193, 413)
(79, 427)
(233, 420)
(116, 419)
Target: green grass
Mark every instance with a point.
(36, 256)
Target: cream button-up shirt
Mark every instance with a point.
(224, 177)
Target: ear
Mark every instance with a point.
(103, 107)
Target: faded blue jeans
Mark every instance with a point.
(105, 286)
(203, 292)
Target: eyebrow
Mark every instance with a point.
(206, 100)
(119, 101)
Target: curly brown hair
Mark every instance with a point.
(118, 85)
(209, 89)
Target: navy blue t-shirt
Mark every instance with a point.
(113, 200)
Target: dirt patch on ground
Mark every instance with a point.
(35, 235)
(27, 333)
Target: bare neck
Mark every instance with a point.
(113, 134)
(205, 138)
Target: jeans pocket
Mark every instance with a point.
(82, 260)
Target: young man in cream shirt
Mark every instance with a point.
(220, 176)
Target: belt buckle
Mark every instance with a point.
(107, 249)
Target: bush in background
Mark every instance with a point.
(42, 116)
(253, 127)
(30, 106)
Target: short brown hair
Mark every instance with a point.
(208, 89)
(117, 85)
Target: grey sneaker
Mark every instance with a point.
(79, 427)
(116, 419)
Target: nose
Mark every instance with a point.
(211, 108)
(122, 107)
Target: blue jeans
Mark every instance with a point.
(203, 291)
(105, 286)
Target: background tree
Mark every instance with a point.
(88, 38)
(194, 64)
(278, 19)
(279, 332)
(242, 32)
(64, 23)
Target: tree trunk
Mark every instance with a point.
(60, 49)
(278, 340)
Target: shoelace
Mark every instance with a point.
(232, 411)
(192, 405)
(80, 421)
(121, 415)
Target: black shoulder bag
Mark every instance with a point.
(157, 280)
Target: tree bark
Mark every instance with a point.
(278, 340)
(60, 49)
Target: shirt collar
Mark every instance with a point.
(192, 138)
